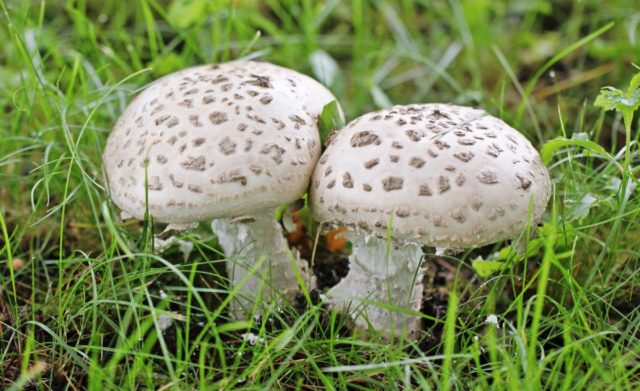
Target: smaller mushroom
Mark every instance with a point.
(437, 175)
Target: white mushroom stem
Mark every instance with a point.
(381, 273)
(245, 243)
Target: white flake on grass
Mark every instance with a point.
(165, 320)
(492, 319)
(252, 339)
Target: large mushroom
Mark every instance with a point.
(228, 142)
(439, 175)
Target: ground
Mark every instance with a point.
(86, 303)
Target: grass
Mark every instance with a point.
(84, 299)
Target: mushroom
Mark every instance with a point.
(439, 175)
(228, 142)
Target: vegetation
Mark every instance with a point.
(87, 303)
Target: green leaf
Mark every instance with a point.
(623, 102)
(486, 268)
(577, 140)
(608, 98)
(331, 119)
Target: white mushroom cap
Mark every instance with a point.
(220, 140)
(451, 176)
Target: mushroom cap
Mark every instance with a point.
(218, 141)
(449, 176)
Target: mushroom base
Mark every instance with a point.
(381, 276)
(245, 243)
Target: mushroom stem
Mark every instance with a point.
(245, 242)
(381, 273)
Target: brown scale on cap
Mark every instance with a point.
(227, 146)
(218, 117)
(392, 183)
(364, 138)
(417, 162)
(488, 177)
(464, 156)
(371, 163)
(188, 103)
(328, 171)
(443, 184)
(425, 190)
(347, 181)
(413, 135)
(194, 120)
(494, 150)
(194, 163)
